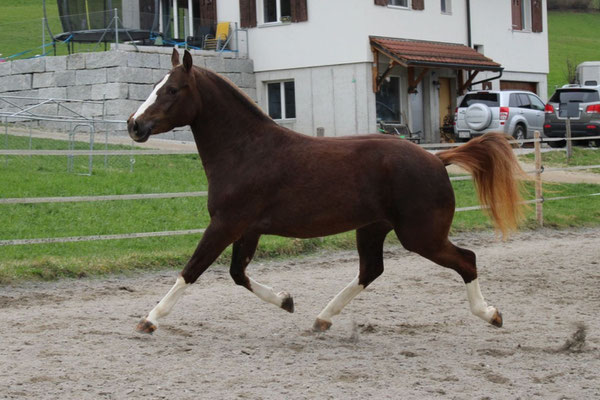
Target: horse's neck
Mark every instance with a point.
(228, 127)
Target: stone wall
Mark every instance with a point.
(120, 79)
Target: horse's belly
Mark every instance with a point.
(325, 221)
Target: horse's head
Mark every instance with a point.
(173, 102)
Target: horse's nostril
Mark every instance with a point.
(135, 126)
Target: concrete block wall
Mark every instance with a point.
(121, 78)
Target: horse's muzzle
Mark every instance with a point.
(138, 131)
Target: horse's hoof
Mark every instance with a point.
(321, 325)
(497, 319)
(287, 303)
(145, 326)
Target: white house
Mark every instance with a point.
(342, 65)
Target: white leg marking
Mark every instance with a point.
(478, 305)
(151, 99)
(266, 293)
(165, 306)
(336, 305)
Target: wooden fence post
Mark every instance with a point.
(539, 196)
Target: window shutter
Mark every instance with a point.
(381, 2)
(247, 13)
(517, 23)
(536, 16)
(418, 4)
(208, 12)
(299, 10)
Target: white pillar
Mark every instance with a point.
(175, 20)
(191, 18)
(161, 25)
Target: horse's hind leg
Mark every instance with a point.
(243, 251)
(369, 242)
(448, 255)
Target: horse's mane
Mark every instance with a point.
(226, 84)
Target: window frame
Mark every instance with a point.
(526, 12)
(279, 20)
(526, 15)
(282, 99)
(400, 7)
(446, 7)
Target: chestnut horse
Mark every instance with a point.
(266, 179)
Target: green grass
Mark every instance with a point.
(574, 37)
(21, 29)
(581, 156)
(48, 176)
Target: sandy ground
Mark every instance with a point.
(408, 336)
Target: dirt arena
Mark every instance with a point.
(408, 336)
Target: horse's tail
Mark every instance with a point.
(497, 175)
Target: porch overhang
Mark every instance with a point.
(426, 55)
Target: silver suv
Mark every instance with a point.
(515, 112)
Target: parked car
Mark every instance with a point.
(515, 112)
(587, 123)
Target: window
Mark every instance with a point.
(574, 96)
(398, 3)
(387, 100)
(489, 99)
(536, 103)
(527, 15)
(277, 11)
(281, 100)
(446, 6)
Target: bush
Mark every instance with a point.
(580, 5)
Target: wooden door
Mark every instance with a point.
(445, 99)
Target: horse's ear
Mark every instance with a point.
(187, 61)
(175, 58)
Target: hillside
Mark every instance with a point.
(574, 37)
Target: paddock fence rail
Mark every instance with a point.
(71, 152)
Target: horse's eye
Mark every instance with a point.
(172, 90)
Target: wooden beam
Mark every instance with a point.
(463, 87)
(412, 82)
(387, 71)
(375, 69)
(461, 82)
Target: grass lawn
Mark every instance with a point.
(581, 156)
(21, 28)
(571, 36)
(48, 177)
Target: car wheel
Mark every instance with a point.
(520, 135)
(557, 144)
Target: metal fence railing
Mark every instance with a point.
(539, 199)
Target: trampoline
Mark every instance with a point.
(96, 21)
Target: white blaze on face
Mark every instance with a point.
(151, 99)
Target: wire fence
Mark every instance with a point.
(78, 124)
(539, 199)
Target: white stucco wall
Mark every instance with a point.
(337, 98)
(337, 32)
(523, 54)
(329, 56)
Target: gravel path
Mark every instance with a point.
(410, 335)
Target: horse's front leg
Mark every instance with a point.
(215, 239)
(243, 251)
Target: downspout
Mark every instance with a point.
(469, 23)
(468, 31)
